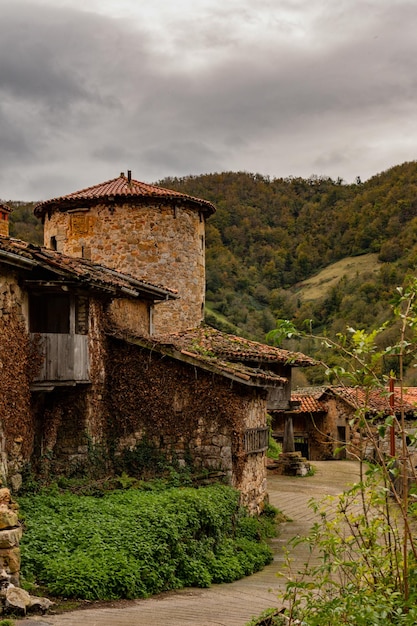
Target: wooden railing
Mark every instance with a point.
(256, 440)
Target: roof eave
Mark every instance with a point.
(197, 361)
(66, 204)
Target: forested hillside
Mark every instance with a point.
(23, 224)
(270, 235)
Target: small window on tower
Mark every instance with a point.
(53, 244)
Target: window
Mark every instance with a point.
(49, 313)
(58, 313)
(256, 440)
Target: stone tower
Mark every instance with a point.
(149, 232)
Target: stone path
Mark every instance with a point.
(231, 604)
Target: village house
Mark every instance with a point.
(103, 347)
(324, 425)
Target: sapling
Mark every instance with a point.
(362, 567)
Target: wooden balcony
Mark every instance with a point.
(66, 359)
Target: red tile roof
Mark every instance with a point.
(247, 362)
(308, 404)
(206, 340)
(121, 189)
(22, 254)
(207, 360)
(377, 400)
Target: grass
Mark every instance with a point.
(317, 286)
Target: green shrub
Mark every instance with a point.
(133, 543)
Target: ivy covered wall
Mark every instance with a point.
(192, 414)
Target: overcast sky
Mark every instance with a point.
(90, 88)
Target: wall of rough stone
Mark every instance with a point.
(16, 425)
(4, 225)
(252, 480)
(339, 414)
(130, 315)
(188, 412)
(161, 244)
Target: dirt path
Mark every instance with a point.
(229, 604)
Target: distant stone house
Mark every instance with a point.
(97, 353)
(323, 420)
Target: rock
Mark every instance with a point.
(17, 600)
(10, 537)
(10, 559)
(8, 517)
(16, 481)
(39, 605)
(5, 497)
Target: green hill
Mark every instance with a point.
(270, 237)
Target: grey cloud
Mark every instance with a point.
(83, 96)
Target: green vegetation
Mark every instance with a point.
(23, 224)
(361, 566)
(274, 448)
(133, 543)
(270, 235)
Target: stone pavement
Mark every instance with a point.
(231, 604)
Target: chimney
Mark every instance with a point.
(4, 220)
(129, 176)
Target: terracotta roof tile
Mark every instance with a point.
(207, 359)
(308, 404)
(121, 188)
(14, 251)
(207, 340)
(378, 401)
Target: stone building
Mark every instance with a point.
(52, 353)
(103, 349)
(152, 233)
(324, 420)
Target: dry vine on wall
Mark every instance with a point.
(169, 401)
(16, 371)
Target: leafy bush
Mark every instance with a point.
(361, 566)
(134, 543)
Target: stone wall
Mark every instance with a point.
(10, 536)
(339, 415)
(158, 243)
(130, 315)
(16, 426)
(187, 412)
(252, 480)
(4, 225)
